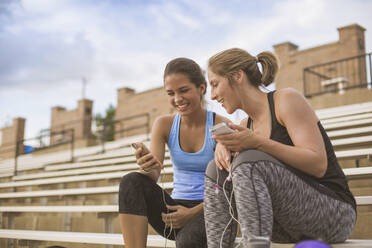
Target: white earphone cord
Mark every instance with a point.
(231, 209)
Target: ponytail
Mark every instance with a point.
(229, 61)
(269, 65)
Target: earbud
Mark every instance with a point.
(229, 176)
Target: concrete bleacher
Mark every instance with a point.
(29, 162)
(78, 171)
(353, 141)
(80, 197)
(347, 118)
(68, 183)
(350, 130)
(348, 124)
(353, 132)
(341, 111)
(117, 239)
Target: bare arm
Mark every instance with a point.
(308, 153)
(222, 155)
(159, 132)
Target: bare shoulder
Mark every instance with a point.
(290, 101)
(290, 98)
(162, 125)
(165, 119)
(288, 94)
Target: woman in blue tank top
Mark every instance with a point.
(141, 200)
(284, 182)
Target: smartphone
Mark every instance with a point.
(137, 145)
(220, 128)
(145, 151)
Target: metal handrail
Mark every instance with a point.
(357, 69)
(64, 132)
(338, 60)
(71, 133)
(105, 124)
(73, 122)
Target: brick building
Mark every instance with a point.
(293, 62)
(79, 119)
(323, 73)
(153, 102)
(329, 75)
(10, 135)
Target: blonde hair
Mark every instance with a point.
(230, 61)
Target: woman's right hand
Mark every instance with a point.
(222, 157)
(146, 160)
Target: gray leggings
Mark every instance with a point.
(271, 201)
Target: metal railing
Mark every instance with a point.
(49, 139)
(64, 137)
(338, 76)
(71, 125)
(122, 127)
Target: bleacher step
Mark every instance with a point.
(117, 239)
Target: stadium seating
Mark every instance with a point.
(55, 201)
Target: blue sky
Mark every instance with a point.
(47, 46)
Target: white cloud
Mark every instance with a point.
(48, 46)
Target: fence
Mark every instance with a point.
(118, 126)
(63, 137)
(338, 76)
(51, 138)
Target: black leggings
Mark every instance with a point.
(140, 195)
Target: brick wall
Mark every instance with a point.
(9, 137)
(79, 119)
(129, 103)
(293, 61)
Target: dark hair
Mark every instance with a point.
(229, 61)
(187, 67)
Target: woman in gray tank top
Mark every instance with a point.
(284, 183)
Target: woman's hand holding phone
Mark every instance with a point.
(145, 159)
(240, 139)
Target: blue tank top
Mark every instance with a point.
(189, 168)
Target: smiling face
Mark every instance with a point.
(184, 96)
(223, 92)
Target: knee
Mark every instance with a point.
(129, 181)
(192, 239)
(183, 242)
(211, 171)
(252, 156)
(216, 175)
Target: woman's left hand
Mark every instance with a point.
(242, 139)
(179, 218)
